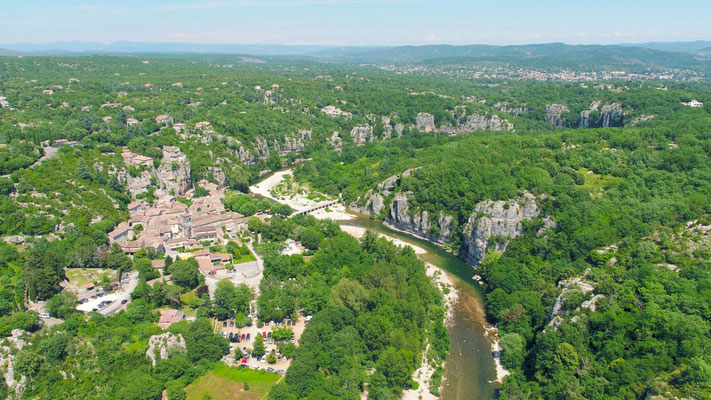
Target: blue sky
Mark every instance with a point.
(355, 22)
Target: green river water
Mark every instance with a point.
(470, 365)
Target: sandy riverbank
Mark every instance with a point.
(423, 375)
(299, 202)
(501, 371)
(358, 232)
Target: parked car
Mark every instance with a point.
(124, 301)
(270, 369)
(264, 335)
(248, 336)
(264, 358)
(224, 324)
(44, 315)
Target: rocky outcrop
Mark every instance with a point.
(173, 175)
(608, 113)
(219, 175)
(362, 134)
(293, 144)
(373, 206)
(387, 128)
(494, 223)
(554, 114)
(425, 122)
(566, 286)
(585, 121)
(640, 119)
(419, 223)
(261, 147)
(14, 381)
(399, 128)
(508, 109)
(478, 122)
(162, 346)
(335, 141)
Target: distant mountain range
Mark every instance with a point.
(408, 52)
(657, 55)
(179, 48)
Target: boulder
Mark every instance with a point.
(162, 346)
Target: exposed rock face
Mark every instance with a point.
(508, 109)
(336, 142)
(584, 121)
(568, 285)
(608, 112)
(640, 119)
(173, 175)
(362, 134)
(373, 206)
(293, 144)
(494, 223)
(554, 114)
(425, 122)
(387, 128)
(243, 155)
(388, 184)
(16, 384)
(398, 129)
(478, 122)
(162, 346)
(261, 148)
(219, 175)
(419, 223)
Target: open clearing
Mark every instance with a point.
(226, 383)
(83, 276)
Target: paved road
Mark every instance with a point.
(49, 152)
(116, 298)
(125, 294)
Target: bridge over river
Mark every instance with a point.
(315, 208)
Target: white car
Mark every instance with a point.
(263, 359)
(44, 315)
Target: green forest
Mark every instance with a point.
(604, 293)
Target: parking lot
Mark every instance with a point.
(245, 344)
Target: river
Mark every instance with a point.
(470, 366)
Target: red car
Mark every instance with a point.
(264, 335)
(243, 336)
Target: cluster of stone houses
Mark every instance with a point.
(170, 226)
(136, 160)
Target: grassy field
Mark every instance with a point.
(597, 184)
(243, 258)
(83, 276)
(225, 383)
